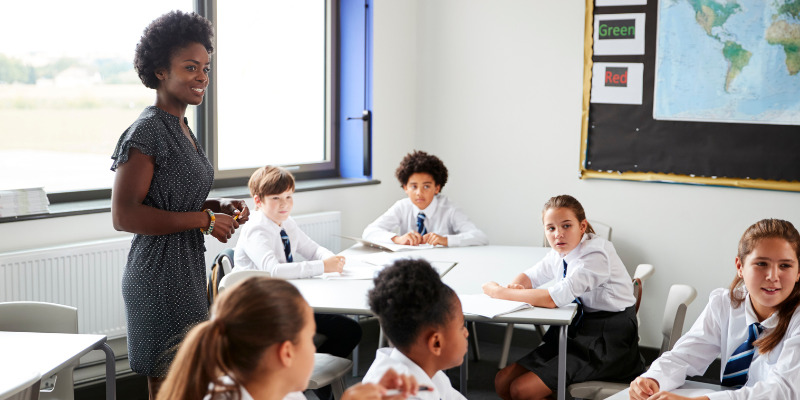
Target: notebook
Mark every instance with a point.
(482, 304)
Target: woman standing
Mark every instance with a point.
(162, 180)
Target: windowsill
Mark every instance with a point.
(69, 209)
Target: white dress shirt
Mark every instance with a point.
(442, 217)
(245, 395)
(260, 248)
(718, 331)
(386, 358)
(594, 273)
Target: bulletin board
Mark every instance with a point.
(703, 104)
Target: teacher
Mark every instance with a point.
(160, 194)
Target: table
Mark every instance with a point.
(47, 353)
(690, 388)
(475, 265)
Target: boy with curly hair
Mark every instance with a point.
(428, 335)
(425, 216)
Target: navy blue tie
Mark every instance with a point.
(421, 224)
(287, 248)
(578, 314)
(739, 364)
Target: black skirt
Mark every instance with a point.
(605, 346)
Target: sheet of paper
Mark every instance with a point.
(386, 259)
(482, 304)
(355, 268)
(387, 246)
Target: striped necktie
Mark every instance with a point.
(739, 364)
(421, 224)
(287, 248)
(578, 314)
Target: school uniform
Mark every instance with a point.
(260, 247)
(602, 342)
(442, 217)
(386, 358)
(243, 393)
(718, 331)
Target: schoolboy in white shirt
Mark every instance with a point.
(425, 216)
(270, 243)
(429, 336)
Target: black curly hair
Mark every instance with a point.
(421, 162)
(409, 296)
(166, 34)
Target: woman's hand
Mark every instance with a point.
(224, 227)
(235, 208)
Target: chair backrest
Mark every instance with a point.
(238, 276)
(223, 264)
(678, 299)
(643, 271)
(600, 229)
(34, 316)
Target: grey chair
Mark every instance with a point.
(31, 316)
(678, 299)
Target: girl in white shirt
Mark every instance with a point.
(257, 345)
(763, 299)
(603, 338)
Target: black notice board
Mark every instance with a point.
(624, 141)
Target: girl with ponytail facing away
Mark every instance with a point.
(257, 345)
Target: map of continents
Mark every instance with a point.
(728, 61)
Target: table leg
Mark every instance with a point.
(111, 372)
(562, 362)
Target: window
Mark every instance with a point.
(285, 77)
(68, 89)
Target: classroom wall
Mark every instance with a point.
(494, 88)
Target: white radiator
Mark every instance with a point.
(88, 275)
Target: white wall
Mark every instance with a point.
(494, 88)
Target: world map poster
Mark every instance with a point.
(728, 61)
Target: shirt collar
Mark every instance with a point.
(576, 252)
(431, 209)
(413, 369)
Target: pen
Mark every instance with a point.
(395, 392)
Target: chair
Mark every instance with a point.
(678, 299)
(643, 271)
(328, 369)
(223, 264)
(30, 316)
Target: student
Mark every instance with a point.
(602, 340)
(258, 345)
(271, 240)
(425, 216)
(422, 317)
(762, 304)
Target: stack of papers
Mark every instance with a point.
(16, 202)
(482, 304)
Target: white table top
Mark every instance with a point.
(689, 389)
(43, 353)
(476, 265)
(16, 380)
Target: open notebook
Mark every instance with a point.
(482, 304)
(387, 246)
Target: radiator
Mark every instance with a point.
(88, 275)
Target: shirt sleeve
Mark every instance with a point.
(782, 380)
(695, 350)
(259, 250)
(466, 233)
(383, 229)
(541, 272)
(583, 274)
